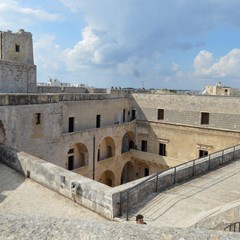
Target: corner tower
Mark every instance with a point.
(17, 69)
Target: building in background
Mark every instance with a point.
(220, 90)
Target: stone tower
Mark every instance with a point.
(17, 69)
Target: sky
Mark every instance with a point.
(173, 44)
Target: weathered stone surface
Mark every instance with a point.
(17, 227)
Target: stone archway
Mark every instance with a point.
(128, 173)
(106, 149)
(108, 178)
(77, 156)
(128, 141)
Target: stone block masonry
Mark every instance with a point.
(16, 77)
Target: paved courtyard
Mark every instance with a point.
(22, 196)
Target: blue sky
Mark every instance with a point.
(174, 44)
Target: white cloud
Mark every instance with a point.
(202, 62)
(12, 14)
(127, 39)
(131, 67)
(137, 28)
(225, 66)
(84, 52)
(49, 56)
(95, 49)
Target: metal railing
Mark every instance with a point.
(233, 227)
(192, 168)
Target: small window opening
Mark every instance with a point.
(204, 118)
(160, 114)
(71, 124)
(124, 112)
(162, 149)
(17, 48)
(98, 155)
(70, 162)
(133, 114)
(144, 146)
(98, 121)
(38, 118)
(146, 172)
(203, 153)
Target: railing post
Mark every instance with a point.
(157, 183)
(127, 205)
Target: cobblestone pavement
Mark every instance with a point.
(21, 196)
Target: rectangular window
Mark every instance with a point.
(38, 118)
(124, 112)
(144, 146)
(162, 149)
(98, 121)
(133, 114)
(204, 118)
(98, 155)
(160, 114)
(17, 48)
(71, 124)
(146, 172)
(203, 153)
(70, 162)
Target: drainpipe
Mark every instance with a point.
(94, 158)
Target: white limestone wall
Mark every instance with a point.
(224, 111)
(84, 112)
(16, 77)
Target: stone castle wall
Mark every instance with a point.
(181, 129)
(16, 47)
(50, 89)
(224, 111)
(17, 77)
(17, 69)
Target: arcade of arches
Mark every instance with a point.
(109, 168)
